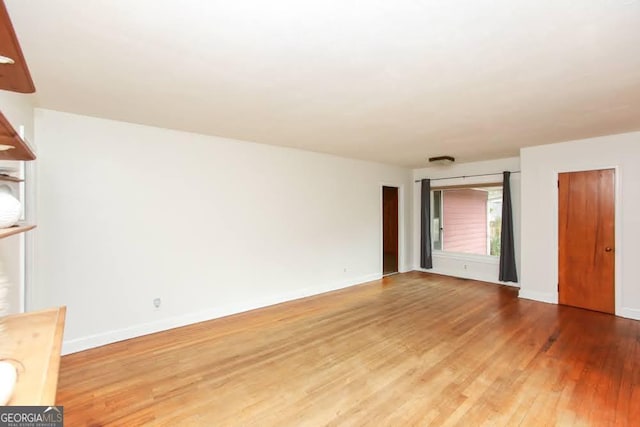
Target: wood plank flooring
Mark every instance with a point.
(411, 349)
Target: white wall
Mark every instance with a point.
(128, 213)
(540, 168)
(468, 266)
(18, 109)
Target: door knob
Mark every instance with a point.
(608, 249)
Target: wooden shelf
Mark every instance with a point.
(14, 77)
(35, 341)
(10, 178)
(20, 228)
(8, 136)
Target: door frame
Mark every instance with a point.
(401, 224)
(617, 282)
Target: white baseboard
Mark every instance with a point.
(470, 276)
(552, 298)
(97, 340)
(548, 297)
(405, 269)
(629, 313)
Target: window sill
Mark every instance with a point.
(485, 259)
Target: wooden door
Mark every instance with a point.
(389, 230)
(586, 239)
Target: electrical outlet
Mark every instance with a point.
(465, 266)
(157, 302)
(345, 269)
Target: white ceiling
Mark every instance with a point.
(393, 81)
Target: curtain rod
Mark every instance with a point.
(466, 176)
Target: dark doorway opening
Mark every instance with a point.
(389, 230)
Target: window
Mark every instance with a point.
(467, 220)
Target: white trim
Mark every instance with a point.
(403, 254)
(22, 287)
(618, 243)
(629, 313)
(96, 340)
(551, 298)
(30, 211)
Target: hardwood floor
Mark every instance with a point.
(411, 349)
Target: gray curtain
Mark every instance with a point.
(508, 271)
(425, 225)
